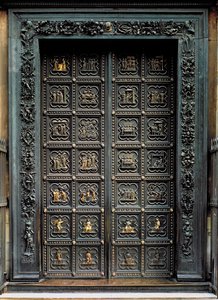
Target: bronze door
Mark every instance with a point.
(108, 155)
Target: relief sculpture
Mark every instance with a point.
(88, 194)
(28, 237)
(59, 129)
(59, 161)
(88, 65)
(128, 258)
(157, 96)
(128, 161)
(128, 227)
(88, 129)
(88, 258)
(59, 226)
(59, 193)
(128, 129)
(157, 65)
(59, 96)
(88, 226)
(128, 64)
(88, 96)
(157, 258)
(60, 258)
(127, 96)
(88, 161)
(157, 193)
(157, 129)
(157, 226)
(59, 65)
(127, 193)
(157, 161)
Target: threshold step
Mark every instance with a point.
(108, 296)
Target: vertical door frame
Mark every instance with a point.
(189, 29)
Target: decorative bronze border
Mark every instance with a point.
(184, 31)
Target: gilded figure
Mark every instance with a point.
(89, 259)
(59, 65)
(157, 224)
(87, 227)
(59, 195)
(59, 256)
(128, 228)
(58, 224)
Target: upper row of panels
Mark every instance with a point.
(122, 66)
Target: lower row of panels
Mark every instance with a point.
(89, 261)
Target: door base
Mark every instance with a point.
(137, 285)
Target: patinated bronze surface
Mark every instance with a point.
(108, 162)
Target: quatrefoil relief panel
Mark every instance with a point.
(128, 194)
(59, 129)
(128, 65)
(59, 161)
(157, 226)
(88, 161)
(157, 129)
(59, 96)
(59, 194)
(59, 226)
(60, 258)
(88, 96)
(88, 194)
(128, 161)
(128, 226)
(157, 65)
(88, 258)
(88, 65)
(59, 66)
(157, 161)
(88, 129)
(158, 97)
(128, 129)
(88, 227)
(128, 259)
(157, 193)
(128, 96)
(157, 258)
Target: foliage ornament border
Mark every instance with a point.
(185, 31)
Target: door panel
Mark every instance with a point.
(142, 165)
(73, 225)
(108, 163)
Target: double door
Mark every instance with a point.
(108, 161)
